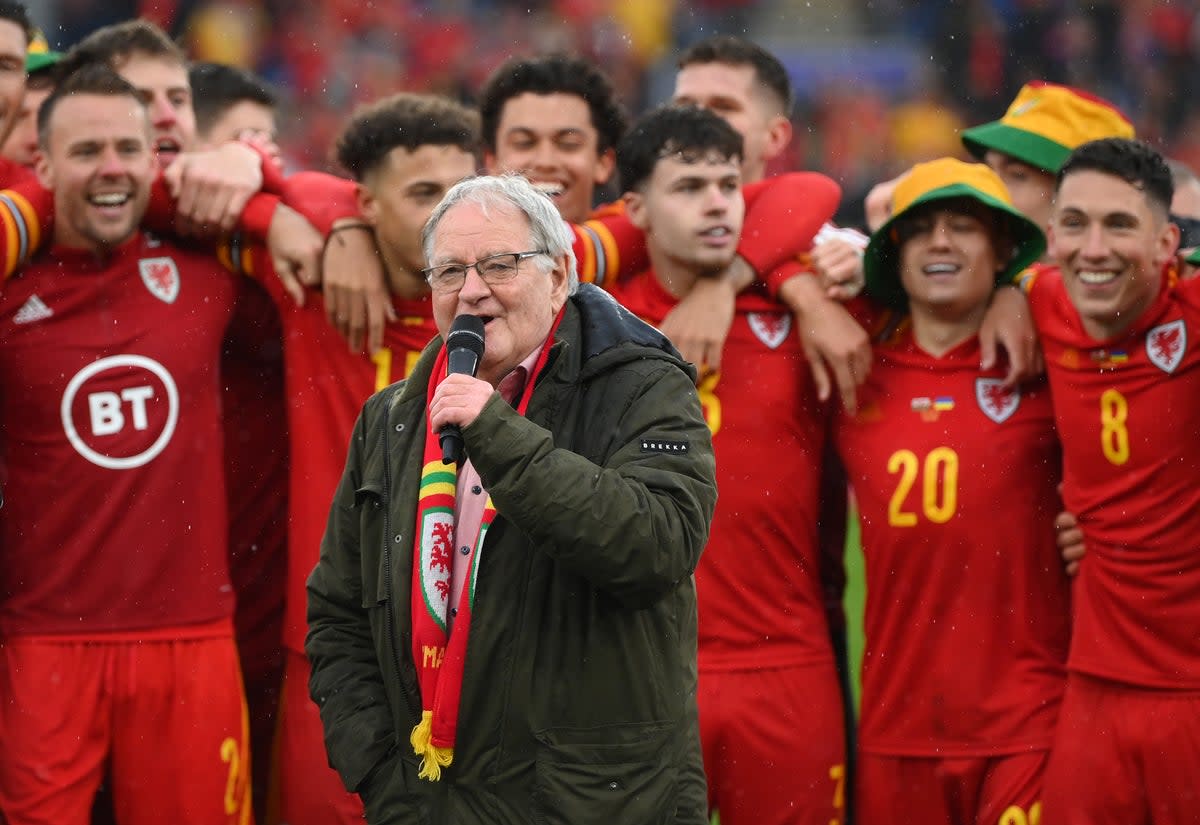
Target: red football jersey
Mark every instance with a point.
(115, 515)
(326, 385)
(760, 597)
(1128, 414)
(967, 614)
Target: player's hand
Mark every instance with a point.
(264, 142)
(1069, 538)
(212, 187)
(1008, 324)
(458, 400)
(699, 324)
(839, 265)
(357, 299)
(295, 248)
(836, 346)
(878, 203)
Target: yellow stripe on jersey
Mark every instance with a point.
(585, 264)
(248, 261)
(31, 225)
(236, 256)
(21, 230)
(604, 248)
(225, 255)
(1025, 279)
(612, 256)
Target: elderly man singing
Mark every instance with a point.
(511, 637)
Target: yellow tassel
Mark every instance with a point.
(433, 758)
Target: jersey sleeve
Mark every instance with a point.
(608, 246)
(27, 215)
(783, 216)
(321, 198)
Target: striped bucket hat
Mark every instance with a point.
(939, 180)
(1045, 123)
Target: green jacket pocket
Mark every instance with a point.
(598, 776)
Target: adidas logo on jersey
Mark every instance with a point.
(34, 309)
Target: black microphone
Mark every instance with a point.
(464, 347)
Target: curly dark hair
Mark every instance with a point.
(553, 74)
(674, 129)
(404, 120)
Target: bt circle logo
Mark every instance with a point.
(120, 412)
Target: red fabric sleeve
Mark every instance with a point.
(274, 180)
(26, 220)
(782, 216)
(256, 217)
(321, 198)
(160, 215)
(616, 248)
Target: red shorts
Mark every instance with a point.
(165, 719)
(1124, 755)
(307, 791)
(774, 745)
(915, 790)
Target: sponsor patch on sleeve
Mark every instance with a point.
(659, 445)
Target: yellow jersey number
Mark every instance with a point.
(939, 485)
(1114, 435)
(231, 754)
(837, 773)
(383, 366)
(1013, 815)
(709, 402)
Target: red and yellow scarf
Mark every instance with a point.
(440, 655)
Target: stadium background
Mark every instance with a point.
(880, 84)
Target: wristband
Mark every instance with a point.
(363, 225)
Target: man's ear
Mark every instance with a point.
(43, 169)
(1168, 243)
(779, 135)
(635, 209)
(368, 204)
(605, 164)
(559, 283)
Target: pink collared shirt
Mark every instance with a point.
(470, 499)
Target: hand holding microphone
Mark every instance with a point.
(464, 351)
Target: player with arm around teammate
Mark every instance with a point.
(770, 705)
(1119, 330)
(116, 585)
(404, 152)
(955, 474)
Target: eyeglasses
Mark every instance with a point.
(494, 269)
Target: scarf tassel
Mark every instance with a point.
(433, 758)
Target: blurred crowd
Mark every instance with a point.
(912, 71)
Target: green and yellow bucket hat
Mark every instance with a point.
(937, 180)
(1045, 123)
(38, 56)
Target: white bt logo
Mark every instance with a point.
(107, 415)
(125, 426)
